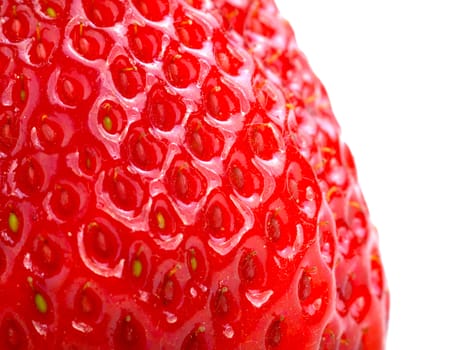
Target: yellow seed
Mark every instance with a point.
(173, 270)
(344, 341)
(160, 220)
(232, 14)
(274, 57)
(330, 192)
(193, 263)
(38, 31)
(310, 99)
(329, 150)
(187, 22)
(40, 302)
(13, 222)
(51, 12)
(137, 268)
(22, 95)
(320, 165)
(88, 163)
(107, 123)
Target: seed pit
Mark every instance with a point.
(3, 262)
(276, 224)
(129, 333)
(19, 23)
(144, 152)
(304, 286)
(122, 190)
(185, 182)
(152, 10)
(9, 131)
(196, 263)
(262, 140)
(65, 201)
(30, 176)
(128, 78)
(195, 340)
(12, 334)
(227, 58)
(101, 243)
(181, 70)
(327, 241)
(43, 46)
(89, 42)
(243, 175)
(88, 304)
(222, 302)
(376, 275)
(46, 256)
(275, 332)
(145, 42)
(204, 141)
(167, 291)
(104, 13)
(221, 217)
(164, 110)
(237, 178)
(329, 339)
(248, 267)
(361, 304)
(221, 100)
(89, 160)
(73, 88)
(302, 186)
(189, 31)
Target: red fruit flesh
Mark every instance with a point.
(172, 177)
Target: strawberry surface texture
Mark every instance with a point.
(172, 177)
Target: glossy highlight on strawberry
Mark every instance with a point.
(172, 177)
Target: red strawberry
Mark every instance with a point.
(172, 177)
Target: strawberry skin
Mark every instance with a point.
(172, 177)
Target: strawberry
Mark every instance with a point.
(172, 177)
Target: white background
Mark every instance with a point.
(396, 73)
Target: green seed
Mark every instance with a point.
(13, 222)
(137, 268)
(107, 122)
(51, 12)
(40, 302)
